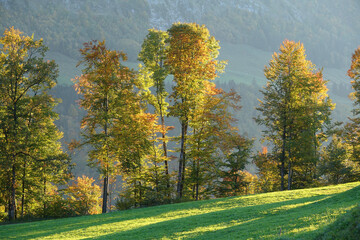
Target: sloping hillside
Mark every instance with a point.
(328, 28)
(298, 214)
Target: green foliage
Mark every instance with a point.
(192, 60)
(352, 129)
(30, 151)
(267, 171)
(295, 111)
(234, 180)
(336, 165)
(300, 214)
(152, 79)
(114, 126)
(84, 196)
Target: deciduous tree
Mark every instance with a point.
(352, 129)
(152, 85)
(295, 109)
(29, 140)
(115, 125)
(191, 58)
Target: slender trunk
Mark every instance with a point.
(197, 183)
(106, 177)
(110, 195)
(165, 151)
(156, 179)
(105, 194)
(181, 172)
(44, 197)
(194, 185)
(140, 195)
(23, 190)
(197, 173)
(159, 93)
(156, 167)
(12, 205)
(282, 160)
(236, 185)
(290, 155)
(289, 176)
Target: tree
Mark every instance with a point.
(191, 58)
(115, 125)
(212, 139)
(232, 169)
(335, 165)
(153, 75)
(84, 196)
(352, 128)
(29, 140)
(268, 169)
(295, 110)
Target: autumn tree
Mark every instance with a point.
(30, 151)
(84, 196)
(352, 129)
(115, 125)
(152, 86)
(191, 58)
(267, 171)
(295, 110)
(213, 138)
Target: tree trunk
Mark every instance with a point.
(12, 205)
(181, 172)
(165, 151)
(106, 177)
(289, 176)
(44, 200)
(282, 161)
(197, 179)
(105, 194)
(23, 190)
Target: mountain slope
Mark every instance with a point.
(328, 28)
(299, 214)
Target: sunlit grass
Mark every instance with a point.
(299, 214)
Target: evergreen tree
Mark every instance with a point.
(232, 169)
(335, 165)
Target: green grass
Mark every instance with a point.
(300, 214)
(345, 227)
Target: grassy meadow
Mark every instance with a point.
(296, 214)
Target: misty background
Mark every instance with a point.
(249, 32)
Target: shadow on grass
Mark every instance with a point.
(241, 216)
(257, 220)
(245, 221)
